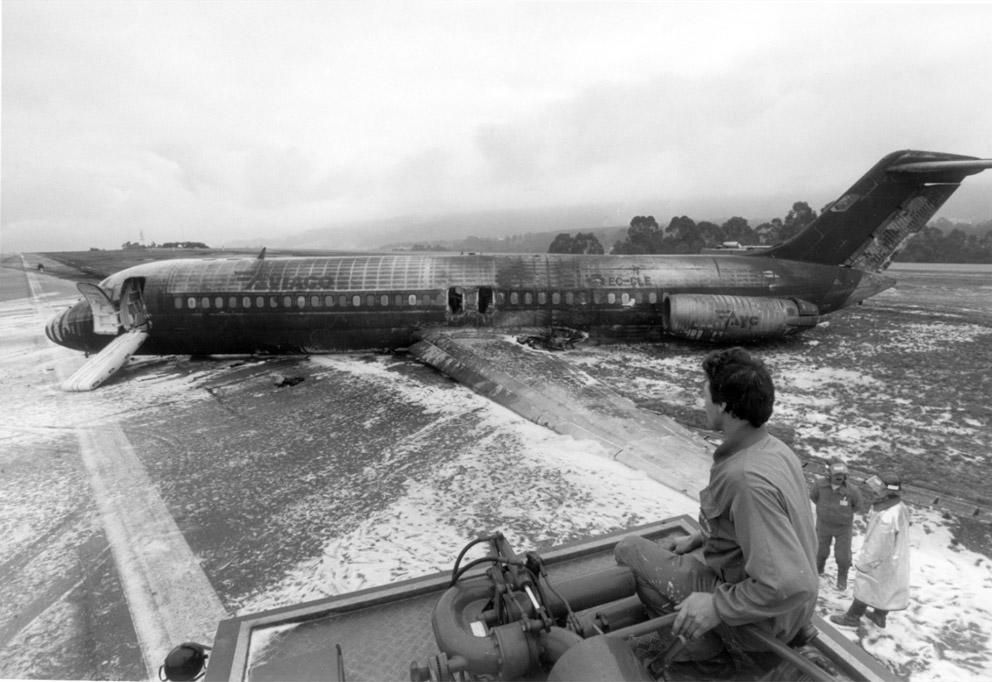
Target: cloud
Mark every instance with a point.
(222, 119)
(277, 177)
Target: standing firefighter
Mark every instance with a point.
(836, 502)
(881, 578)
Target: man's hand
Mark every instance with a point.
(696, 616)
(683, 545)
(687, 544)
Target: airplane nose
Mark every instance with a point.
(53, 330)
(72, 328)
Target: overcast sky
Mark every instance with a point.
(221, 121)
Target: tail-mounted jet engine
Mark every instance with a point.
(710, 317)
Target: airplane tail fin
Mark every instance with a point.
(869, 223)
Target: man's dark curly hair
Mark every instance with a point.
(742, 383)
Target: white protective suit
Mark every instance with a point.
(882, 566)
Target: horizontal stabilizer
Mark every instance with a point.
(105, 364)
(941, 171)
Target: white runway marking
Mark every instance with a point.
(169, 596)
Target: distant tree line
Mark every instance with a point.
(182, 245)
(583, 242)
(685, 235)
(940, 242)
(947, 242)
(164, 245)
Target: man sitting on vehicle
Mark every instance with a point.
(758, 558)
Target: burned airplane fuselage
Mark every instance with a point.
(358, 302)
(364, 302)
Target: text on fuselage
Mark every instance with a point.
(633, 281)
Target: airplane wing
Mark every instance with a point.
(544, 388)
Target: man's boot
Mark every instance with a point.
(842, 577)
(877, 616)
(852, 618)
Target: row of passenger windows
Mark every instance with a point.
(583, 297)
(301, 301)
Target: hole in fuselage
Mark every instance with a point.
(456, 300)
(485, 299)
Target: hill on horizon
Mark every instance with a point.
(505, 226)
(512, 230)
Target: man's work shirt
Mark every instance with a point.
(834, 508)
(758, 536)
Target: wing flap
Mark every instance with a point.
(106, 363)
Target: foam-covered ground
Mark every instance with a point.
(898, 383)
(375, 469)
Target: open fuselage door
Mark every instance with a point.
(108, 319)
(105, 320)
(133, 314)
(470, 303)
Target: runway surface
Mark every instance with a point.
(375, 468)
(372, 469)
